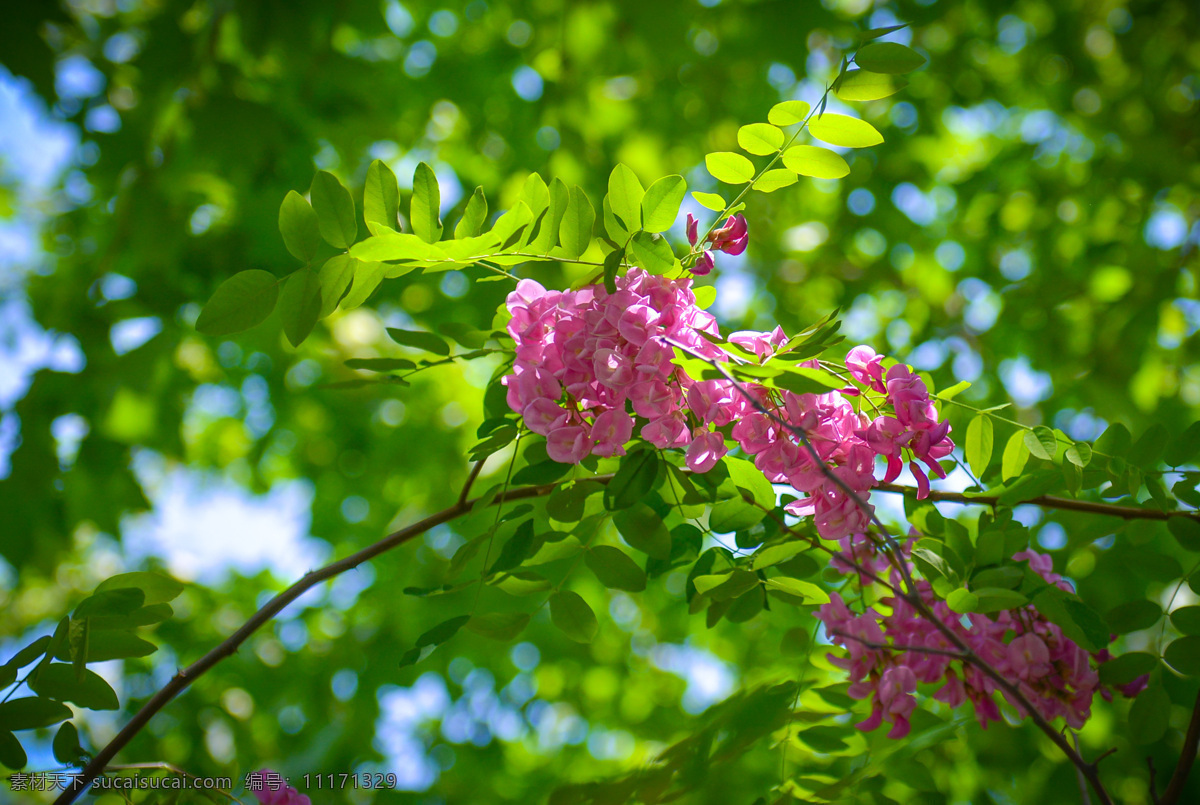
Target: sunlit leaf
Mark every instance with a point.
(843, 130)
(241, 302)
(760, 138)
(335, 210)
(728, 167)
(812, 160)
(888, 57)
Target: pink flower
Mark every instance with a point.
(270, 788)
(704, 264)
(568, 445)
(693, 226)
(866, 366)
(706, 449)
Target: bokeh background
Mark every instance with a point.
(1029, 225)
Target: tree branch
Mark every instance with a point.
(958, 655)
(182, 680)
(1186, 758)
(1048, 502)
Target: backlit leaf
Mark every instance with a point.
(300, 305)
(615, 569)
(660, 204)
(419, 339)
(979, 444)
(888, 57)
(299, 227)
(787, 113)
(239, 303)
(812, 160)
(625, 194)
(1016, 454)
(862, 85)
(575, 232)
(571, 614)
(335, 210)
(760, 138)
(424, 209)
(728, 167)
(381, 196)
(845, 131)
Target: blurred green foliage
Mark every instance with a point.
(1029, 224)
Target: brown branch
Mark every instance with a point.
(466, 490)
(958, 655)
(182, 680)
(1049, 502)
(1186, 758)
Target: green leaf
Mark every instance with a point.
(535, 193)
(951, 392)
(12, 754)
(635, 477)
(806, 380)
(652, 252)
(709, 200)
(28, 654)
(660, 205)
(1150, 714)
(612, 264)
(110, 644)
(419, 339)
(728, 516)
(57, 681)
(760, 139)
(381, 196)
(110, 602)
(158, 589)
(811, 593)
(862, 85)
(1016, 454)
(241, 302)
(1133, 616)
(787, 113)
(30, 713)
(502, 626)
(995, 599)
(776, 554)
(725, 586)
(1147, 451)
(1114, 441)
(80, 637)
(775, 179)
(1184, 655)
(706, 295)
(575, 232)
(566, 504)
(642, 528)
(812, 160)
(1184, 449)
(380, 364)
(1079, 454)
(571, 614)
(300, 305)
(845, 131)
(66, 744)
(425, 204)
(335, 210)
(442, 632)
(625, 194)
(1077, 620)
(560, 199)
(299, 227)
(1041, 442)
(515, 551)
(979, 444)
(962, 601)
(155, 613)
(1186, 530)
(543, 472)
(367, 276)
(474, 216)
(888, 57)
(334, 278)
(398, 246)
(728, 167)
(615, 569)
(1126, 668)
(616, 230)
(1187, 619)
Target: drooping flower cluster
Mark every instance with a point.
(586, 359)
(1053, 672)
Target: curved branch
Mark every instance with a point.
(1186, 758)
(182, 680)
(1049, 502)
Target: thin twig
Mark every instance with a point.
(466, 490)
(1187, 757)
(958, 655)
(1049, 502)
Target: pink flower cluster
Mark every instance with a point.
(1054, 673)
(584, 357)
